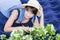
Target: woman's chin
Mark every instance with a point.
(25, 20)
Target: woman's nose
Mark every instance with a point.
(28, 14)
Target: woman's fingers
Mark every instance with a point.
(26, 29)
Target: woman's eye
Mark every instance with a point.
(26, 9)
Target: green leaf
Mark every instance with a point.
(57, 36)
(50, 29)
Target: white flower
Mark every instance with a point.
(40, 34)
(1, 37)
(37, 34)
(24, 37)
(16, 33)
(31, 38)
(52, 27)
(21, 31)
(13, 34)
(45, 31)
(38, 30)
(31, 29)
(27, 36)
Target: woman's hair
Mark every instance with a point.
(34, 10)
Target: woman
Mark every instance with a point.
(32, 10)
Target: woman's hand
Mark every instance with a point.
(26, 29)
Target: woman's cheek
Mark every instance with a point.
(28, 14)
(32, 15)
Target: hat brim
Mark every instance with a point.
(24, 5)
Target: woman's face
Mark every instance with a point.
(28, 13)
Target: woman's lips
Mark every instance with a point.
(24, 18)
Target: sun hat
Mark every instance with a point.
(36, 4)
